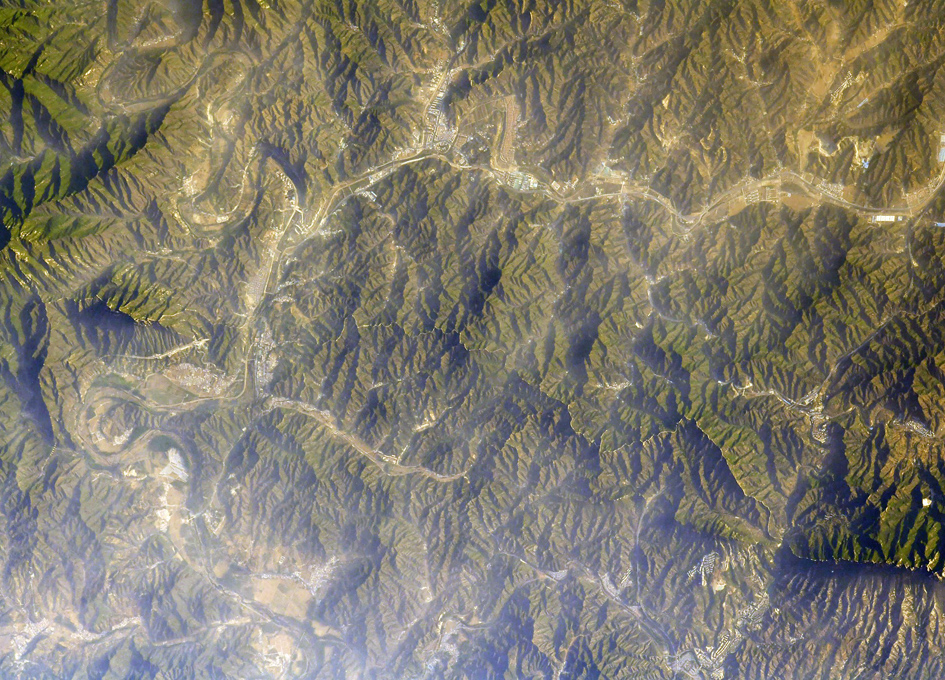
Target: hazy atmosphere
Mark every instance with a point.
(472, 339)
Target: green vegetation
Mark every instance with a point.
(448, 339)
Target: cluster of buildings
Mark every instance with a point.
(770, 194)
(438, 131)
(834, 189)
(521, 181)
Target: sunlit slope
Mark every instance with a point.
(422, 339)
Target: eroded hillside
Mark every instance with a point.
(447, 339)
